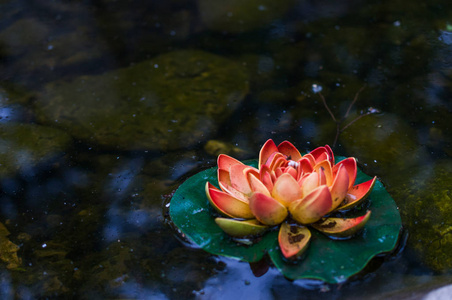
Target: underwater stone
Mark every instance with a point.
(383, 142)
(23, 147)
(8, 250)
(217, 147)
(425, 201)
(172, 101)
(237, 16)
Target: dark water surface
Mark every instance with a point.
(107, 106)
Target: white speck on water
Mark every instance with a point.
(44, 245)
(375, 161)
(50, 47)
(316, 88)
(156, 66)
(396, 23)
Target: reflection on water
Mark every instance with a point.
(106, 107)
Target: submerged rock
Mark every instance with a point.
(239, 16)
(172, 101)
(383, 142)
(23, 147)
(425, 202)
(8, 250)
(217, 147)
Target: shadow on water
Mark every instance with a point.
(106, 106)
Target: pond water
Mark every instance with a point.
(107, 106)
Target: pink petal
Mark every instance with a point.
(322, 177)
(223, 178)
(289, 150)
(320, 153)
(211, 186)
(257, 185)
(330, 154)
(312, 207)
(322, 157)
(224, 182)
(266, 178)
(350, 166)
(291, 171)
(239, 180)
(304, 166)
(310, 158)
(225, 162)
(357, 194)
(286, 189)
(228, 205)
(310, 183)
(278, 161)
(278, 172)
(267, 210)
(339, 187)
(267, 149)
(326, 166)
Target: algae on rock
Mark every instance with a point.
(425, 200)
(237, 16)
(172, 101)
(8, 250)
(384, 142)
(25, 146)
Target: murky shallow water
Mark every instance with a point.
(106, 107)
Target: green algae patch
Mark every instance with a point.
(172, 101)
(384, 142)
(25, 146)
(425, 202)
(8, 250)
(236, 16)
(331, 261)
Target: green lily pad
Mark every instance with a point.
(332, 261)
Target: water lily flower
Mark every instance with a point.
(291, 190)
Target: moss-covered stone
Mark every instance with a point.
(25, 146)
(8, 250)
(238, 16)
(174, 100)
(217, 147)
(425, 200)
(383, 143)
